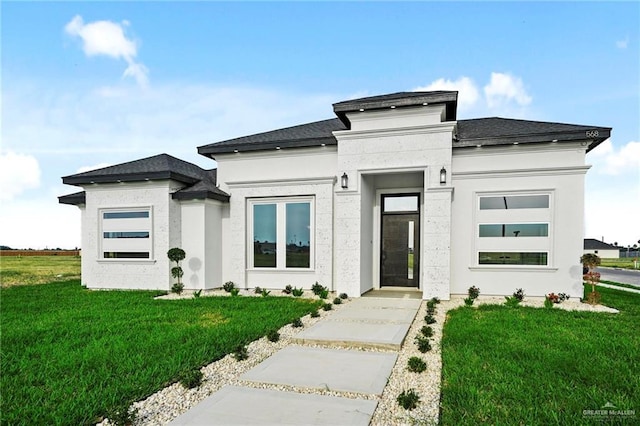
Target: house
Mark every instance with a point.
(602, 249)
(394, 192)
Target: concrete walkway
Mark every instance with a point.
(302, 370)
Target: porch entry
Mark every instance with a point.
(400, 240)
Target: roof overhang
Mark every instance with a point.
(592, 138)
(75, 199)
(128, 177)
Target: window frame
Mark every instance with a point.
(281, 243)
(520, 244)
(124, 245)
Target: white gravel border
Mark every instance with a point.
(174, 400)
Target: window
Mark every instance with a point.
(513, 229)
(282, 233)
(126, 234)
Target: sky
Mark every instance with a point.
(91, 84)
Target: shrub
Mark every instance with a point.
(468, 301)
(519, 294)
(512, 301)
(563, 296)
(327, 306)
(408, 399)
(287, 290)
(177, 288)
(431, 304)
(324, 294)
(426, 331)
(337, 301)
(558, 298)
(257, 290)
(423, 344)
(235, 291)
(343, 296)
(122, 415)
(265, 292)
(273, 336)
(197, 294)
(317, 288)
(228, 286)
(191, 378)
(315, 314)
(435, 300)
(241, 353)
(593, 298)
(429, 319)
(297, 323)
(548, 303)
(431, 310)
(297, 292)
(416, 365)
(474, 292)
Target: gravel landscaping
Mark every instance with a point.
(165, 405)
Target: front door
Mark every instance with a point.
(400, 240)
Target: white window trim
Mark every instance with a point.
(514, 245)
(281, 248)
(101, 231)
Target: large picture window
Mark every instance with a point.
(514, 229)
(126, 233)
(282, 233)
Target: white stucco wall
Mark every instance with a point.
(153, 273)
(381, 143)
(202, 243)
(558, 170)
(308, 172)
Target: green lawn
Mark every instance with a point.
(23, 270)
(527, 366)
(70, 354)
(626, 263)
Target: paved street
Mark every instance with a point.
(625, 276)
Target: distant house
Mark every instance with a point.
(394, 192)
(602, 249)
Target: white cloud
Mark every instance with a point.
(505, 88)
(622, 44)
(608, 160)
(18, 173)
(94, 167)
(468, 93)
(109, 39)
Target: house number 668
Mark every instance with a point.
(592, 133)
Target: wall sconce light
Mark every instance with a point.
(344, 181)
(443, 176)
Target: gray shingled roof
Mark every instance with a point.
(200, 183)
(593, 244)
(74, 199)
(398, 100)
(304, 135)
(502, 131)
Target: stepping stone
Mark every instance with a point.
(363, 334)
(236, 405)
(364, 313)
(373, 302)
(322, 368)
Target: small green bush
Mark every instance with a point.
(519, 294)
(122, 415)
(177, 288)
(288, 289)
(257, 290)
(324, 294)
(297, 323)
(228, 286)
(297, 292)
(273, 336)
(431, 304)
(429, 319)
(343, 296)
(408, 399)
(431, 311)
(423, 344)
(474, 292)
(317, 288)
(426, 331)
(468, 301)
(511, 301)
(416, 364)
(265, 292)
(435, 300)
(191, 378)
(197, 294)
(241, 353)
(327, 306)
(235, 291)
(548, 303)
(337, 301)
(315, 314)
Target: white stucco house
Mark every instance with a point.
(602, 249)
(394, 192)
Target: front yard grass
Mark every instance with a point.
(69, 354)
(538, 366)
(27, 270)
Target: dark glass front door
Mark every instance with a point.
(400, 241)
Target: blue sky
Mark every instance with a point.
(88, 84)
